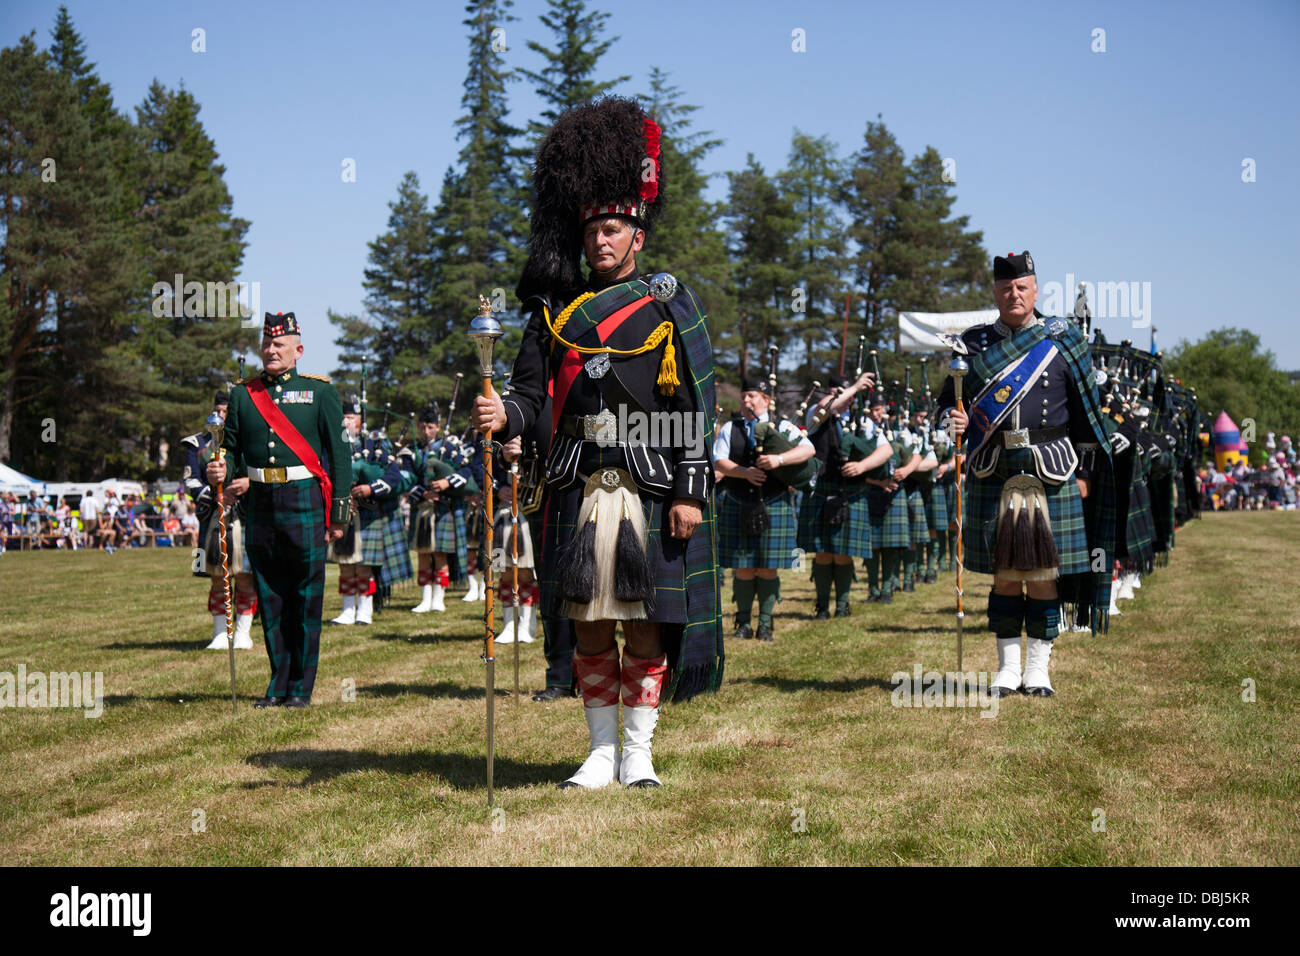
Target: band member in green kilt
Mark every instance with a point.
(888, 512)
(936, 509)
(1037, 447)
(833, 520)
(918, 486)
(756, 513)
(445, 481)
(284, 432)
(629, 524)
(372, 554)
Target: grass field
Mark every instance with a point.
(801, 759)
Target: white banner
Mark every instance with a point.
(917, 330)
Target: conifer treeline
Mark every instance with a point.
(777, 261)
(129, 203)
(100, 375)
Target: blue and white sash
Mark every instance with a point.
(1005, 391)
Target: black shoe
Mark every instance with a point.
(873, 598)
(764, 633)
(1038, 691)
(269, 702)
(909, 588)
(297, 702)
(552, 693)
(644, 784)
(843, 611)
(744, 632)
(996, 691)
(823, 614)
(887, 597)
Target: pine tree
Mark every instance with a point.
(937, 265)
(186, 228)
(761, 221)
(872, 187)
(566, 77)
(688, 239)
(482, 228)
(812, 183)
(66, 267)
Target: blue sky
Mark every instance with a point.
(1116, 166)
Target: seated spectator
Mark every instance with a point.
(123, 521)
(171, 527)
(106, 532)
(190, 529)
(139, 530)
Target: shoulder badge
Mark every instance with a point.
(1056, 328)
(250, 380)
(663, 286)
(319, 378)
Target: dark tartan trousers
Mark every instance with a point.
(286, 547)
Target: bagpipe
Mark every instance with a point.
(769, 440)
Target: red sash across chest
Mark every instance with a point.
(290, 436)
(572, 362)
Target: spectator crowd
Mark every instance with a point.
(1240, 487)
(88, 521)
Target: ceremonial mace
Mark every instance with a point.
(957, 368)
(484, 332)
(514, 554)
(217, 429)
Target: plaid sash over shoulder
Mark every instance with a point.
(1090, 590)
(695, 649)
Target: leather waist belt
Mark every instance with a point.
(603, 426)
(1024, 437)
(278, 476)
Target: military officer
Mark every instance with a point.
(284, 432)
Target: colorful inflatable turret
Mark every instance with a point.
(1228, 446)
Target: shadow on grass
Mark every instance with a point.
(442, 689)
(422, 638)
(183, 698)
(462, 771)
(791, 685)
(194, 645)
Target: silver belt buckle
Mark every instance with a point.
(600, 428)
(1015, 438)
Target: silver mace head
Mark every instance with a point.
(485, 330)
(216, 428)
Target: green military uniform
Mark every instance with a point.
(286, 511)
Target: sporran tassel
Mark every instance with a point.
(631, 569)
(577, 563)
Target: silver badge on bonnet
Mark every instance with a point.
(663, 286)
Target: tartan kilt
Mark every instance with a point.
(918, 525)
(950, 494)
(449, 536)
(851, 537)
(1139, 531)
(980, 515)
(666, 555)
(936, 512)
(775, 548)
(236, 547)
(383, 543)
(891, 528)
